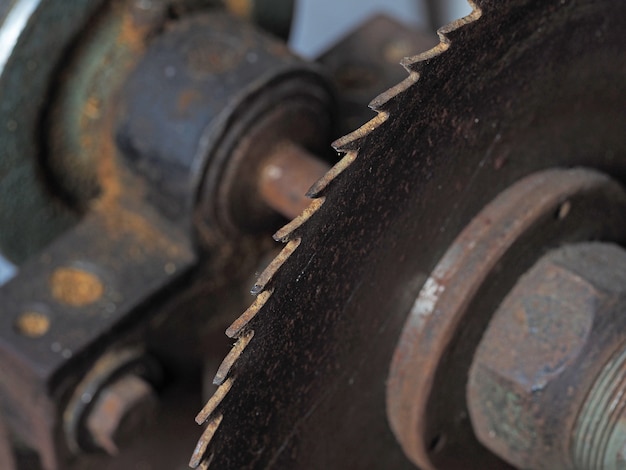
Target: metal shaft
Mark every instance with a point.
(285, 177)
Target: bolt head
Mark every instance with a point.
(531, 371)
(120, 411)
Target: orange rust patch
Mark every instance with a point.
(97, 137)
(241, 8)
(185, 99)
(32, 324)
(132, 34)
(111, 175)
(75, 287)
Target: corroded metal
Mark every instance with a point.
(79, 120)
(508, 92)
(210, 98)
(274, 16)
(366, 62)
(107, 392)
(34, 37)
(148, 254)
(286, 176)
(77, 288)
(600, 435)
(450, 313)
(541, 360)
(123, 409)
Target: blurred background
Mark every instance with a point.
(318, 24)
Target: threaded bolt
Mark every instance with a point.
(599, 440)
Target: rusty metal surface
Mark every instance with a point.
(540, 356)
(116, 276)
(123, 409)
(449, 315)
(87, 423)
(287, 175)
(600, 435)
(237, 198)
(366, 62)
(30, 215)
(38, 371)
(165, 446)
(274, 16)
(516, 88)
(202, 86)
(79, 119)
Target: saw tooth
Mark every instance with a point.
(215, 400)
(417, 63)
(352, 141)
(267, 275)
(447, 33)
(232, 357)
(288, 231)
(203, 443)
(384, 101)
(235, 330)
(318, 188)
(446, 30)
(206, 463)
(414, 65)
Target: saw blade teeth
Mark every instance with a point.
(206, 463)
(288, 232)
(447, 32)
(204, 441)
(231, 358)
(214, 402)
(236, 329)
(419, 62)
(318, 188)
(352, 141)
(267, 275)
(350, 144)
(384, 101)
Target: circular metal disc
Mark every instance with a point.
(517, 87)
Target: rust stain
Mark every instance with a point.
(215, 400)
(115, 183)
(204, 441)
(92, 108)
(131, 38)
(75, 287)
(267, 274)
(185, 99)
(242, 8)
(235, 330)
(286, 233)
(231, 358)
(133, 32)
(32, 324)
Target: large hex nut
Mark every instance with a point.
(543, 350)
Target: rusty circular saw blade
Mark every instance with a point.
(516, 87)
